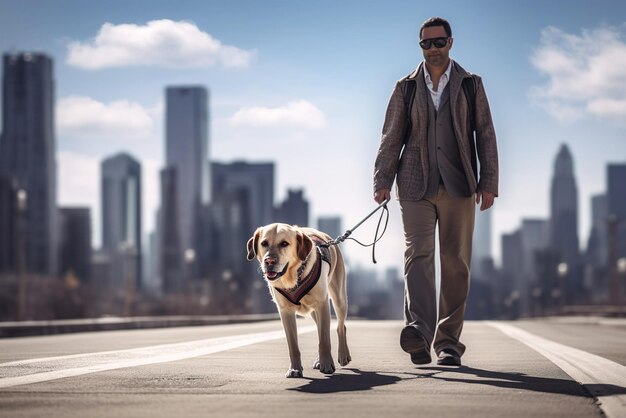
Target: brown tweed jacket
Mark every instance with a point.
(411, 168)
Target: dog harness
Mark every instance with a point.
(305, 284)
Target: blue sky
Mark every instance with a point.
(306, 84)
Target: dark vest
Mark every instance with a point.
(444, 157)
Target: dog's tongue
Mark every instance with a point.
(271, 274)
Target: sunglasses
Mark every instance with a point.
(438, 42)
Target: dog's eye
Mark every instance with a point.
(284, 244)
(264, 243)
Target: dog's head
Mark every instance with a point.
(280, 249)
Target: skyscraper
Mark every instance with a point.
(8, 225)
(564, 208)
(170, 258)
(597, 246)
(256, 179)
(330, 225)
(510, 289)
(186, 154)
(535, 238)
(121, 217)
(295, 209)
(616, 196)
(75, 243)
(243, 199)
(597, 251)
(616, 193)
(27, 152)
(520, 251)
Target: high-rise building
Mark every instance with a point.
(186, 154)
(510, 287)
(564, 208)
(616, 190)
(330, 225)
(9, 245)
(152, 272)
(170, 259)
(597, 245)
(294, 210)
(535, 239)
(535, 236)
(256, 179)
(616, 225)
(27, 152)
(595, 277)
(121, 217)
(242, 200)
(75, 243)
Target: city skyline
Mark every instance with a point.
(563, 172)
(274, 96)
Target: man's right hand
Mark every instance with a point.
(381, 195)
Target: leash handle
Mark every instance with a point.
(368, 216)
(346, 234)
(376, 237)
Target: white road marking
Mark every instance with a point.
(37, 370)
(604, 375)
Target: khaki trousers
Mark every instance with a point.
(455, 216)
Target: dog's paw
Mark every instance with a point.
(344, 358)
(293, 373)
(325, 366)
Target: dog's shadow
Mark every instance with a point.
(339, 382)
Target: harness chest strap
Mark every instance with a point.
(304, 285)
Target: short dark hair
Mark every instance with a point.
(437, 21)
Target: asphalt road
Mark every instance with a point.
(567, 367)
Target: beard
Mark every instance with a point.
(436, 60)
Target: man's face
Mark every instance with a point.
(434, 56)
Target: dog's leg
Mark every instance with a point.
(316, 364)
(341, 309)
(291, 332)
(339, 296)
(326, 363)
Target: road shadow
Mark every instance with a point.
(338, 382)
(521, 381)
(360, 380)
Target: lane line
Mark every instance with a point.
(80, 364)
(603, 378)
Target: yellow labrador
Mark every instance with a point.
(301, 278)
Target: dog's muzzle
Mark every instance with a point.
(274, 275)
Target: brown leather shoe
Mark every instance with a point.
(449, 358)
(413, 342)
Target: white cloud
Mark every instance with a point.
(164, 43)
(608, 107)
(299, 114)
(586, 73)
(88, 117)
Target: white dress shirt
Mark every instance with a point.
(443, 81)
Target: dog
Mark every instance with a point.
(289, 260)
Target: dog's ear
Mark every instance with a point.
(305, 244)
(252, 243)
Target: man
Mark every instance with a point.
(428, 144)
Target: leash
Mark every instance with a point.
(347, 234)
